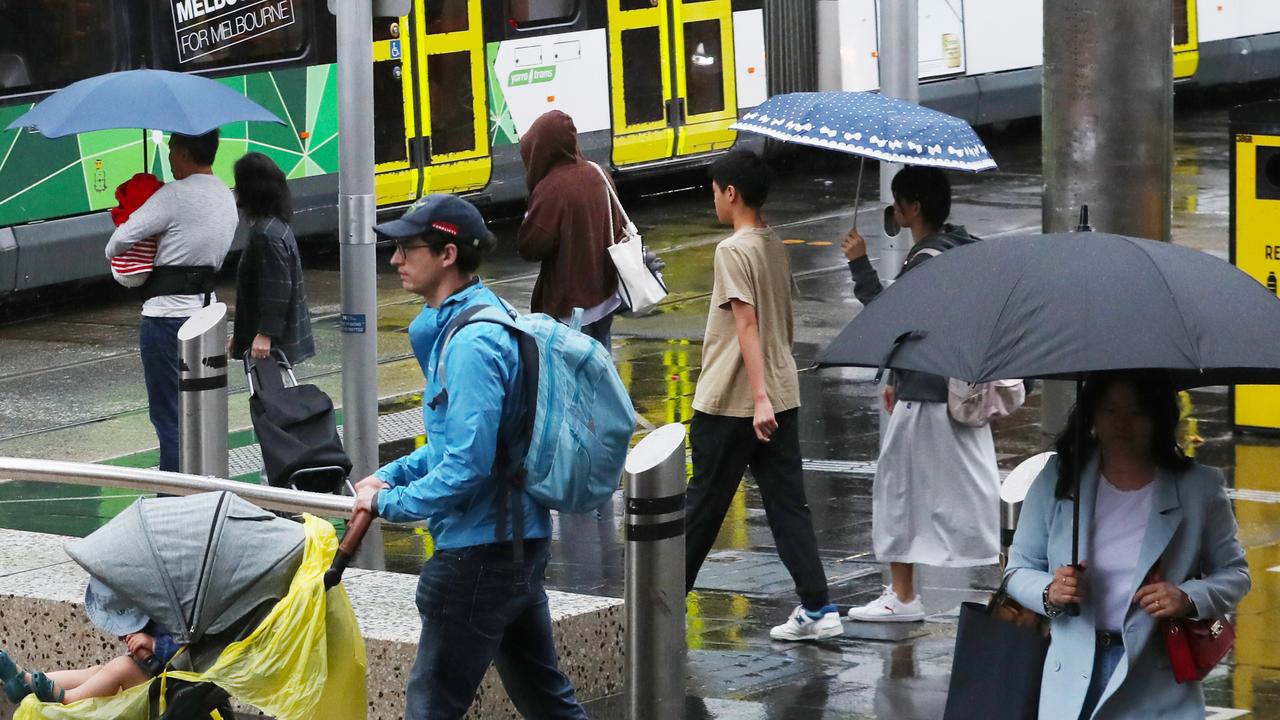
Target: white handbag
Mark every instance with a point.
(639, 288)
(977, 404)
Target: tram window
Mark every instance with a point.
(47, 44)
(1181, 33)
(446, 16)
(704, 67)
(192, 37)
(642, 75)
(637, 4)
(453, 119)
(389, 144)
(529, 12)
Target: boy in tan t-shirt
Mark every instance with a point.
(748, 397)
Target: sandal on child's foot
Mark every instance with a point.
(16, 688)
(8, 668)
(46, 689)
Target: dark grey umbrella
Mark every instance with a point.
(195, 565)
(1062, 305)
(1055, 306)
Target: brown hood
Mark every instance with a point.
(552, 140)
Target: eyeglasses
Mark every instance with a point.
(404, 249)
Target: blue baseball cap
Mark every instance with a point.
(447, 214)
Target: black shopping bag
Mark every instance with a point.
(999, 657)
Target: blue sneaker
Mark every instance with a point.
(805, 625)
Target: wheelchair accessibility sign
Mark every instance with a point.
(395, 49)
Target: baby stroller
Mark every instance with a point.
(295, 427)
(245, 594)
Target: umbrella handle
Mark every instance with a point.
(356, 529)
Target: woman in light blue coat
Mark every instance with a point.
(1157, 540)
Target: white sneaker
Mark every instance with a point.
(888, 608)
(802, 626)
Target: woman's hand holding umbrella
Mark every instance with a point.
(1067, 586)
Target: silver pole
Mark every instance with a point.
(899, 78)
(202, 392)
(655, 645)
(357, 211)
(1107, 128)
(95, 475)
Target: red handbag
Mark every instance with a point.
(1196, 646)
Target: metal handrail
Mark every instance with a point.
(74, 473)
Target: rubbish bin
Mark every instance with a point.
(1255, 235)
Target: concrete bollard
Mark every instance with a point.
(202, 393)
(655, 641)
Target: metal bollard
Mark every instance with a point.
(655, 645)
(1013, 490)
(202, 393)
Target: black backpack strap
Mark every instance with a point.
(456, 324)
(513, 459)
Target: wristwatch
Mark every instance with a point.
(1050, 609)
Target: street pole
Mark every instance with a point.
(655, 606)
(202, 393)
(1108, 129)
(357, 212)
(899, 78)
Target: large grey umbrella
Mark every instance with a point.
(1062, 305)
(195, 565)
(1056, 306)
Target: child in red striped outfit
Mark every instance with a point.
(132, 268)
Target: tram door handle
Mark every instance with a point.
(675, 112)
(420, 150)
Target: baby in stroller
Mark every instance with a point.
(150, 647)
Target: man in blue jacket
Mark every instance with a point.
(475, 609)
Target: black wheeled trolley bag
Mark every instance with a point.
(295, 426)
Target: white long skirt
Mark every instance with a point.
(936, 496)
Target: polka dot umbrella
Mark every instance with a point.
(870, 125)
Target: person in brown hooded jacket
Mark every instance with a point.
(567, 227)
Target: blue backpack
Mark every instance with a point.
(576, 434)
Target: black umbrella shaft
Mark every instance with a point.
(1077, 440)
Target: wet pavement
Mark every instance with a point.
(70, 388)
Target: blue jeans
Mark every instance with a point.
(158, 341)
(1106, 658)
(472, 615)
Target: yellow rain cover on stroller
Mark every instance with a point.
(305, 660)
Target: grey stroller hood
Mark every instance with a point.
(195, 565)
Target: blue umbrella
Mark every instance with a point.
(144, 99)
(871, 125)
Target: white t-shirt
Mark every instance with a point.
(1119, 524)
(196, 220)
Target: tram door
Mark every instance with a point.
(397, 173)
(454, 137)
(672, 78)
(430, 126)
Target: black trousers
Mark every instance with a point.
(723, 448)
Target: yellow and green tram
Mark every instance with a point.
(652, 85)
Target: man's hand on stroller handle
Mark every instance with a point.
(367, 493)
